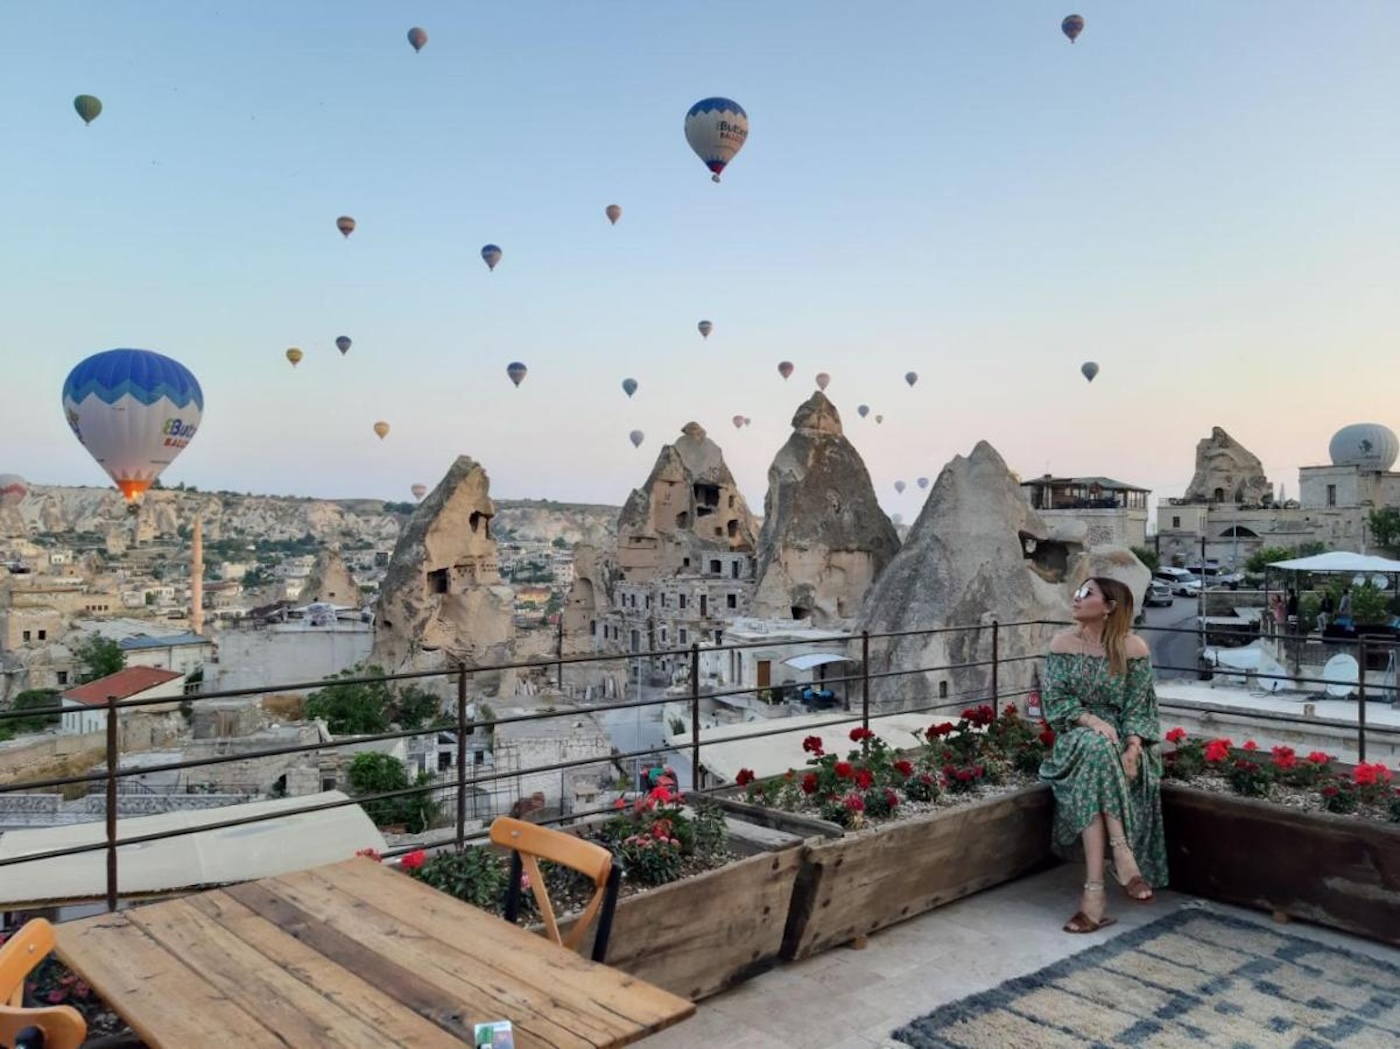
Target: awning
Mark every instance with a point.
(1339, 561)
(809, 660)
(211, 857)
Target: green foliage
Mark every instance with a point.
(399, 508)
(98, 656)
(559, 543)
(1148, 557)
(35, 699)
(1249, 778)
(380, 773)
(1266, 556)
(367, 708)
(1385, 529)
(477, 875)
(1312, 549)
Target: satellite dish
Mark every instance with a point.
(1380, 582)
(1341, 674)
(1272, 675)
(1359, 579)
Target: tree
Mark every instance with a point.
(1385, 529)
(559, 543)
(381, 773)
(98, 656)
(367, 708)
(32, 699)
(1148, 557)
(1267, 555)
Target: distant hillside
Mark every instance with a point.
(59, 512)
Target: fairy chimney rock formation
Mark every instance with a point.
(1227, 472)
(688, 507)
(442, 601)
(825, 539)
(978, 553)
(330, 581)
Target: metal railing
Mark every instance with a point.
(983, 679)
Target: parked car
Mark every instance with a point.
(1215, 574)
(1182, 582)
(1159, 592)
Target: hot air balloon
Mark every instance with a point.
(517, 372)
(716, 129)
(863, 410)
(1089, 369)
(785, 368)
(346, 225)
(89, 107)
(738, 421)
(899, 487)
(879, 419)
(636, 437)
(705, 328)
(748, 421)
(923, 482)
(134, 411)
(911, 377)
(629, 386)
(613, 212)
(1072, 26)
(491, 255)
(13, 487)
(822, 379)
(381, 428)
(342, 343)
(295, 355)
(417, 37)
(419, 490)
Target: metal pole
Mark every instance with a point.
(461, 755)
(694, 716)
(1361, 701)
(559, 652)
(112, 758)
(865, 679)
(996, 657)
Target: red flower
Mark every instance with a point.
(809, 783)
(1249, 744)
(982, 715)
(1217, 750)
(904, 768)
(936, 731)
(371, 853)
(891, 798)
(619, 804)
(813, 745)
(1010, 711)
(1317, 757)
(744, 778)
(864, 779)
(1176, 735)
(1370, 775)
(1047, 736)
(843, 770)
(859, 734)
(413, 860)
(1284, 757)
(853, 803)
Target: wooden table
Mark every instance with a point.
(351, 954)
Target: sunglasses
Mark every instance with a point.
(1084, 592)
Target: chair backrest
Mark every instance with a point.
(57, 1026)
(530, 843)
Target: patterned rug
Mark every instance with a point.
(1193, 979)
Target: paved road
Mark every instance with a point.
(1169, 649)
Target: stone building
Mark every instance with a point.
(1113, 513)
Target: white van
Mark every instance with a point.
(1182, 582)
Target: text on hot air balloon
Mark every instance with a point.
(177, 432)
(732, 131)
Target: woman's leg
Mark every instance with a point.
(1094, 837)
(1125, 866)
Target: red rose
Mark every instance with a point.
(1176, 735)
(859, 734)
(413, 860)
(744, 778)
(864, 779)
(904, 768)
(809, 783)
(813, 745)
(843, 770)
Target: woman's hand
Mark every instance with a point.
(1132, 757)
(1102, 727)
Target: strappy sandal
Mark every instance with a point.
(1081, 922)
(1135, 887)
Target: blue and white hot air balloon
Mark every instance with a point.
(716, 129)
(134, 411)
(629, 386)
(490, 254)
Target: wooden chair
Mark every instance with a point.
(51, 1027)
(530, 843)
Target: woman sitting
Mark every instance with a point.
(1105, 767)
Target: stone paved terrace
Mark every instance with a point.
(853, 999)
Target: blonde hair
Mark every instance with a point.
(1118, 624)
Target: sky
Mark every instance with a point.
(1201, 197)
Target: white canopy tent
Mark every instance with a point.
(205, 857)
(808, 660)
(1340, 561)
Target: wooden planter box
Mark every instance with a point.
(702, 935)
(1336, 871)
(866, 880)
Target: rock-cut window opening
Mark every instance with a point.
(715, 568)
(733, 528)
(437, 581)
(683, 519)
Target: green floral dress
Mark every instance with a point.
(1085, 770)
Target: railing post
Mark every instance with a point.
(113, 757)
(865, 678)
(1361, 701)
(461, 755)
(694, 716)
(996, 666)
